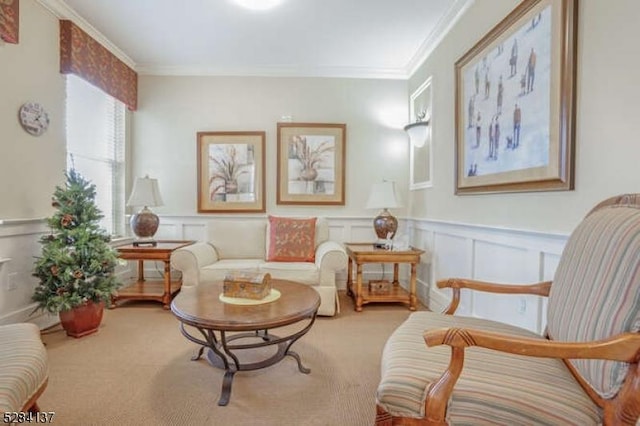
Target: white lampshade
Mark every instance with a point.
(383, 196)
(145, 193)
(418, 133)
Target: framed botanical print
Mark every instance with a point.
(231, 172)
(311, 163)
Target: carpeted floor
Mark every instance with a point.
(137, 370)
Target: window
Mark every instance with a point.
(95, 146)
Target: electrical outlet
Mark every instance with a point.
(12, 281)
(522, 307)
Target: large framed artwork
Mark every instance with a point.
(311, 163)
(515, 103)
(9, 20)
(231, 172)
(421, 157)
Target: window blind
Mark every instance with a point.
(95, 131)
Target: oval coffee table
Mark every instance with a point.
(222, 325)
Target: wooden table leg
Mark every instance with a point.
(349, 277)
(412, 288)
(396, 270)
(140, 270)
(358, 287)
(166, 297)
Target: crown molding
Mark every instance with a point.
(457, 9)
(277, 71)
(62, 10)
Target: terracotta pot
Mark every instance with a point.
(82, 320)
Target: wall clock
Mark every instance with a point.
(33, 118)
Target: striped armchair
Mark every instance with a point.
(584, 371)
(24, 369)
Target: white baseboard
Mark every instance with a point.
(26, 314)
(438, 301)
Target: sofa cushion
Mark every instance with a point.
(303, 272)
(291, 239)
(322, 230)
(217, 271)
(602, 253)
(493, 388)
(234, 239)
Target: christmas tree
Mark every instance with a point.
(77, 263)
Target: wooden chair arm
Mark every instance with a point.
(538, 289)
(623, 347)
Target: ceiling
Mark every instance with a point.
(332, 38)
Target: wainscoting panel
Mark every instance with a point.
(504, 263)
(19, 246)
(193, 231)
(360, 232)
(169, 231)
(488, 254)
(452, 257)
(451, 250)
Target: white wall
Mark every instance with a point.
(30, 167)
(173, 109)
(607, 128)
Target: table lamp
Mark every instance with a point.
(383, 196)
(145, 223)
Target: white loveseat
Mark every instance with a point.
(244, 245)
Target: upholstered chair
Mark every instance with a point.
(24, 370)
(583, 371)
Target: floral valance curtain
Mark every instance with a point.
(9, 20)
(83, 56)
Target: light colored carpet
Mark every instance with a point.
(137, 370)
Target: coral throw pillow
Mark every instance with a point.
(292, 240)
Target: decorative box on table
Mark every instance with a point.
(379, 286)
(247, 285)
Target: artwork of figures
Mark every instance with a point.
(231, 172)
(508, 89)
(510, 134)
(311, 163)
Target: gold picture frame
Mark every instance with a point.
(311, 163)
(231, 172)
(515, 103)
